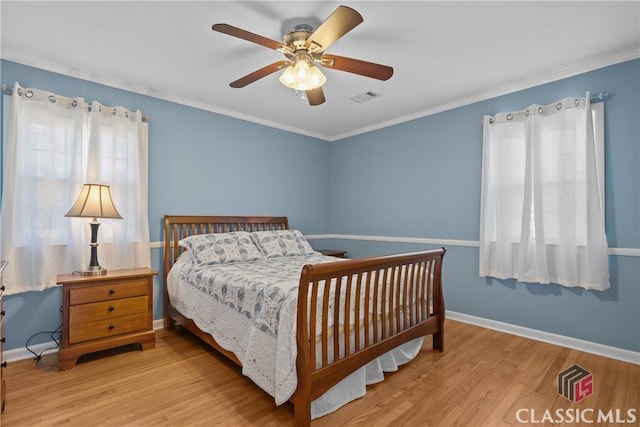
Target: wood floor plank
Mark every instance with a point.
(483, 378)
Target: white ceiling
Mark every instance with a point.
(444, 54)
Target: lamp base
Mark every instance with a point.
(94, 270)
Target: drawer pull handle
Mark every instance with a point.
(2, 288)
(4, 364)
(3, 340)
(111, 327)
(112, 291)
(111, 308)
(2, 313)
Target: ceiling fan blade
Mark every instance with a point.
(258, 74)
(315, 96)
(339, 23)
(357, 66)
(249, 36)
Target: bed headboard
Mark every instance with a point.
(177, 227)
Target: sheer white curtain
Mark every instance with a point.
(53, 146)
(118, 156)
(542, 204)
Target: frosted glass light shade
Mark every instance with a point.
(302, 76)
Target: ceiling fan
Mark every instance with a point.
(304, 47)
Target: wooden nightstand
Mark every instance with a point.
(101, 312)
(333, 252)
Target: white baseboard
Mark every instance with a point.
(23, 354)
(563, 341)
(158, 324)
(573, 343)
(51, 347)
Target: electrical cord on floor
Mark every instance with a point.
(52, 333)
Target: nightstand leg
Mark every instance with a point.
(66, 361)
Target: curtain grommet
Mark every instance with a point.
(509, 116)
(52, 99)
(559, 106)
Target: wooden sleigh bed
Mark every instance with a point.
(361, 308)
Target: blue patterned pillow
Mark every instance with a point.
(279, 243)
(219, 248)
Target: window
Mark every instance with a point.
(51, 147)
(542, 204)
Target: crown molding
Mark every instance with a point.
(524, 84)
(504, 90)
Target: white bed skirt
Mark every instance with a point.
(354, 386)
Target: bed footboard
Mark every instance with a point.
(350, 312)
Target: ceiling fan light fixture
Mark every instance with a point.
(304, 47)
(303, 77)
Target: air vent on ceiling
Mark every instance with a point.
(364, 97)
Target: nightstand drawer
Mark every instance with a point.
(107, 327)
(110, 291)
(82, 313)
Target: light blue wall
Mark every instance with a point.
(422, 179)
(416, 179)
(199, 163)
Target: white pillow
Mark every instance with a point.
(219, 248)
(279, 243)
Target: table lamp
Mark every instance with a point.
(94, 202)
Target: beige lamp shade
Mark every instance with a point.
(94, 201)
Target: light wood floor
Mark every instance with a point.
(482, 379)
